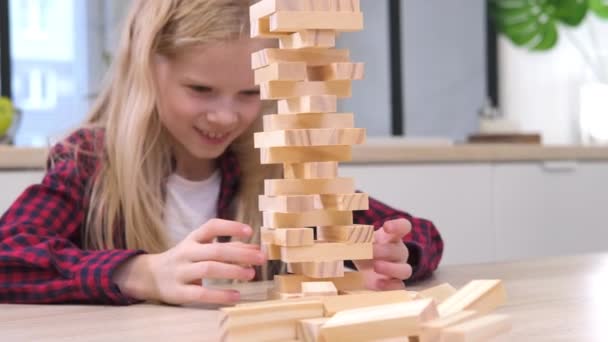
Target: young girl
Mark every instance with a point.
(133, 202)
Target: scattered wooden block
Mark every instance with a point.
(281, 187)
(304, 203)
(307, 121)
(309, 39)
(346, 234)
(318, 269)
(307, 219)
(274, 295)
(379, 322)
(265, 8)
(276, 90)
(310, 170)
(439, 293)
(290, 71)
(294, 21)
(319, 288)
(336, 71)
(479, 295)
(327, 252)
(477, 330)
(365, 299)
(294, 237)
(309, 330)
(292, 283)
(310, 104)
(306, 154)
(310, 137)
(431, 330)
(312, 57)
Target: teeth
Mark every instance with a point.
(212, 135)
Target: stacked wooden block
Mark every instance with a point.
(307, 216)
(439, 314)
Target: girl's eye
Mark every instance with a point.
(200, 89)
(253, 92)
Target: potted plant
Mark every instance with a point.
(9, 120)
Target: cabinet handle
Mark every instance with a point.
(560, 165)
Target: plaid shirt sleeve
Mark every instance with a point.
(40, 257)
(424, 242)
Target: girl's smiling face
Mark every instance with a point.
(207, 98)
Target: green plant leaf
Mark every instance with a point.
(599, 7)
(570, 12)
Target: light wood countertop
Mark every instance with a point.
(556, 299)
(392, 150)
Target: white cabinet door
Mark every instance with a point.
(12, 184)
(456, 197)
(545, 209)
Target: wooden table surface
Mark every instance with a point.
(557, 299)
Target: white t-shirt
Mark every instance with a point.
(189, 204)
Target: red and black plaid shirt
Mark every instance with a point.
(41, 254)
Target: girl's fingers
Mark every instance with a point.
(399, 271)
(215, 228)
(396, 252)
(393, 231)
(225, 252)
(199, 294)
(389, 284)
(215, 270)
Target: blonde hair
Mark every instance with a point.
(127, 192)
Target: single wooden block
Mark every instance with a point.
(309, 39)
(479, 295)
(311, 57)
(307, 219)
(307, 121)
(276, 90)
(310, 137)
(294, 237)
(431, 330)
(318, 269)
(274, 295)
(260, 28)
(267, 235)
(305, 154)
(336, 71)
(346, 234)
(304, 203)
(292, 283)
(362, 300)
(272, 251)
(310, 170)
(310, 105)
(290, 71)
(309, 330)
(439, 293)
(379, 322)
(294, 21)
(328, 252)
(319, 288)
(279, 187)
(265, 8)
(477, 330)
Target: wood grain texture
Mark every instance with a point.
(309, 39)
(279, 187)
(308, 121)
(305, 154)
(292, 283)
(288, 71)
(304, 203)
(336, 71)
(265, 8)
(346, 234)
(319, 288)
(310, 137)
(319, 269)
(312, 57)
(309, 104)
(276, 90)
(482, 296)
(307, 219)
(327, 252)
(310, 170)
(292, 21)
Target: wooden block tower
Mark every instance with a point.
(307, 216)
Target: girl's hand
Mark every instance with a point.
(175, 276)
(389, 267)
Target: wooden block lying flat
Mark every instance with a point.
(279, 187)
(477, 330)
(290, 71)
(327, 252)
(276, 90)
(318, 269)
(294, 21)
(307, 219)
(346, 234)
(309, 104)
(306, 154)
(431, 330)
(379, 322)
(319, 288)
(302, 121)
(312, 57)
(267, 235)
(479, 295)
(309, 39)
(310, 137)
(309, 330)
(304, 203)
(272, 251)
(439, 293)
(294, 237)
(310, 170)
(362, 300)
(265, 8)
(336, 71)
(292, 283)
(260, 28)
